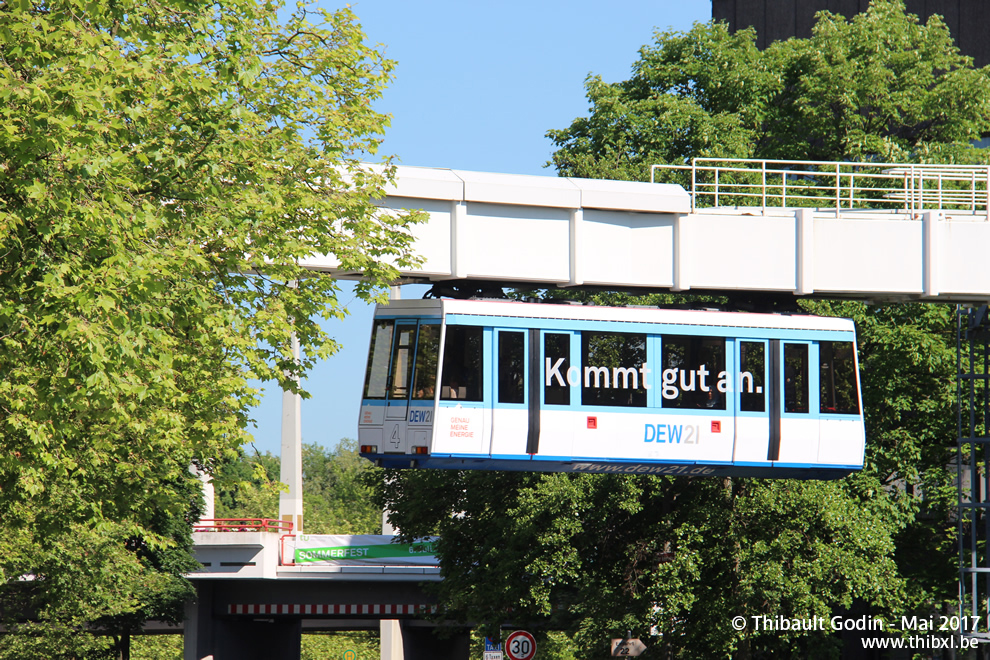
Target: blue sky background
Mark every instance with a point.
(476, 87)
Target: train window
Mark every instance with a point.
(614, 369)
(796, 378)
(511, 367)
(837, 377)
(752, 370)
(693, 372)
(402, 362)
(376, 375)
(462, 372)
(425, 374)
(557, 357)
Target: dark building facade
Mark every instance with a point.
(775, 20)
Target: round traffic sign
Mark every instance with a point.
(520, 645)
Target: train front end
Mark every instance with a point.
(399, 398)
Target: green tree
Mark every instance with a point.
(248, 486)
(338, 489)
(881, 86)
(164, 167)
(674, 559)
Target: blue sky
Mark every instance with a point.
(476, 87)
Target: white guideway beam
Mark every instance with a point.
(546, 231)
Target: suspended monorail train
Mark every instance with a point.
(505, 385)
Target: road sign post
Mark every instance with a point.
(627, 648)
(520, 645)
(493, 649)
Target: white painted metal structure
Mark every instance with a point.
(956, 190)
(551, 231)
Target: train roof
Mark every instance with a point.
(517, 309)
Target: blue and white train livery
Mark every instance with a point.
(500, 385)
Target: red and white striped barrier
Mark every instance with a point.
(381, 609)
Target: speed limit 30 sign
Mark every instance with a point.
(520, 645)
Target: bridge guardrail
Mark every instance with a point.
(909, 188)
(242, 525)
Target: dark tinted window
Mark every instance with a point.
(402, 365)
(556, 361)
(425, 375)
(462, 376)
(752, 373)
(614, 369)
(376, 374)
(511, 352)
(796, 378)
(837, 377)
(692, 368)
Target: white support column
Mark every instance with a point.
(391, 639)
(576, 227)
(681, 277)
(390, 630)
(290, 504)
(458, 240)
(931, 223)
(804, 260)
(209, 495)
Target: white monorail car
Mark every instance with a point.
(501, 385)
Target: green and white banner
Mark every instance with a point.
(362, 550)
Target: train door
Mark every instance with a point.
(799, 427)
(510, 392)
(559, 375)
(753, 428)
(403, 352)
(692, 367)
(422, 393)
(463, 425)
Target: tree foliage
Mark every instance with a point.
(164, 167)
(338, 489)
(880, 86)
(674, 559)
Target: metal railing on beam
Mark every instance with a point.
(842, 186)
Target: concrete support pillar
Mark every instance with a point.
(197, 630)
(290, 503)
(391, 640)
(390, 630)
(209, 495)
